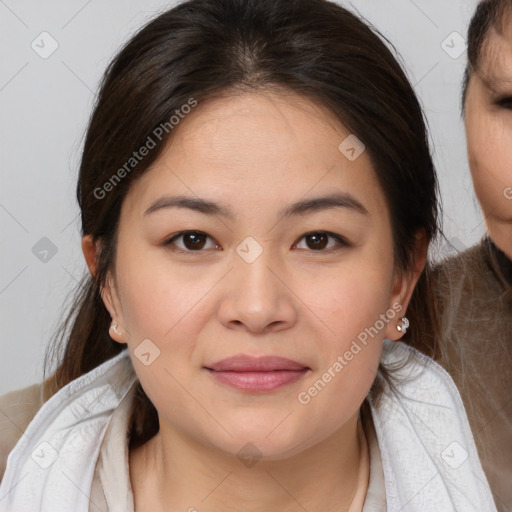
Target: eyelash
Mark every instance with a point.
(505, 102)
(342, 241)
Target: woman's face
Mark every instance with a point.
(251, 261)
(488, 119)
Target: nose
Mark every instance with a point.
(258, 296)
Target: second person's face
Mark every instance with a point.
(488, 119)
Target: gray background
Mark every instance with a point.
(45, 105)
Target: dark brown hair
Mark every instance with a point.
(489, 14)
(204, 48)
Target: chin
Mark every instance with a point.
(265, 445)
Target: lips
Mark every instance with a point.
(243, 363)
(257, 374)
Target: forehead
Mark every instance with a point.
(285, 117)
(495, 63)
(256, 146)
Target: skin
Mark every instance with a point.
(488, 122)
(254, 153)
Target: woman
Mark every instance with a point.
(257, 199)
(474, 289)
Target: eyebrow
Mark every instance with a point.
(341, 200)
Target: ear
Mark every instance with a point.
(404, 284)
(90, 248)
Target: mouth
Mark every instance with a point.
(256, 374)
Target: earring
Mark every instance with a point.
(404, 325)
(114, 327)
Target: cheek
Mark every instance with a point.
(157, 296)
(352, 307)
(489, 140)
(164, 312)
(353, 303)
(357, 312)
(336, 390)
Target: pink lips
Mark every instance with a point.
(249, 373)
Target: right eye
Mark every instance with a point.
(505, 102)
(193, 241)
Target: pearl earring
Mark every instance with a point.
(114, 328)
(403, 325)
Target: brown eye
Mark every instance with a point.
(319, 240)
(192, 241)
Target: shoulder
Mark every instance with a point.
(423, 394)
(418, 377)
(472, 307)
(423, 386)
(423, 430)
(458, 268)
(463, 274)
(466, 291)
(17, 408)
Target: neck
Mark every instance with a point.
(173, 472)
(501, 235)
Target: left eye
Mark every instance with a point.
(318, 240)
